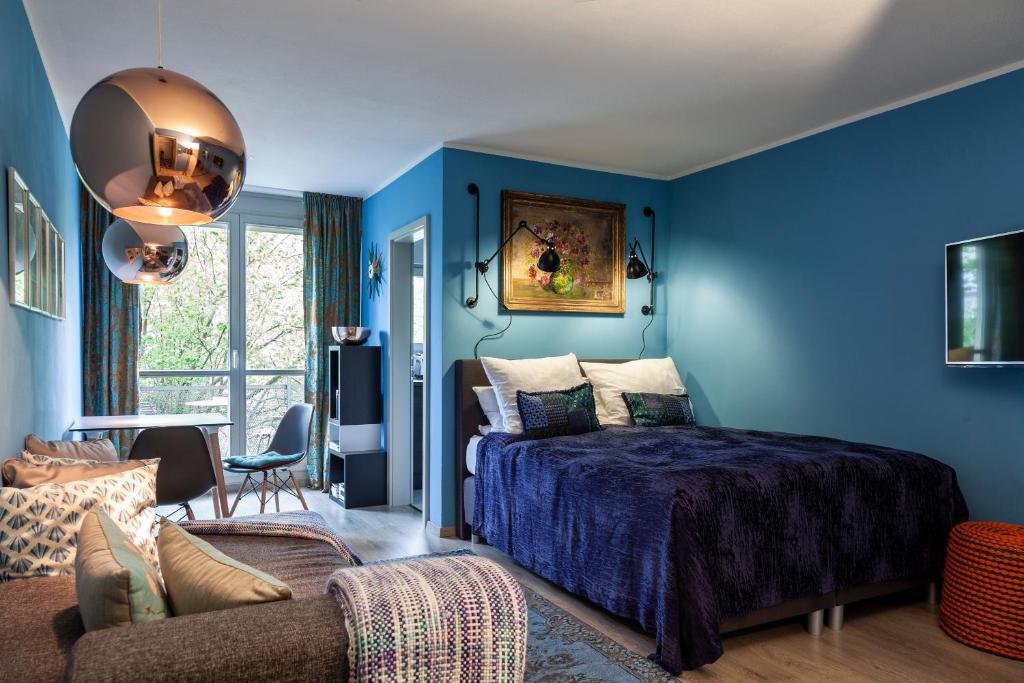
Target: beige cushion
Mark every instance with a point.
(610, 380)
(116, 585)
(200, 578)
(528, 374)
(100, 449)
(21, 474)
(39, 525)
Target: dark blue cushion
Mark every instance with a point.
(268, 459)
(658, 410)
(558, 413)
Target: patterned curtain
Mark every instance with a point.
(333, 235)
(110, 328)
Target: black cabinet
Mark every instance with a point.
(358, 478)
(354, 382)
(356, 403)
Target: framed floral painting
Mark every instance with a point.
(589, 237)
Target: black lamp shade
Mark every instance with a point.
(635, 268)
(549, 261)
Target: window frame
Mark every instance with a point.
(283, 214)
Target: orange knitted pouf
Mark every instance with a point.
(983, 587)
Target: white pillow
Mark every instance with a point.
(610, 380)
(484, 429)
(529, 374)
(489, 404)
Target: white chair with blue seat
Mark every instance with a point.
(287, 448)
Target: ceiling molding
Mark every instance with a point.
(557, 162)
(402, 171)
(272, 191)
(913, 99)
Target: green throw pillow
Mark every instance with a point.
(659, 410)
(116, 585)
(558, 413)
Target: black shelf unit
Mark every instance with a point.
(358, 479)
(357, 468)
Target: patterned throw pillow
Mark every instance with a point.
(38, 459)
(98, 449)
(558, 413)
(39, 525)
(659, 410)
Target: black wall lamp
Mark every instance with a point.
(549, 262)
(637, 265)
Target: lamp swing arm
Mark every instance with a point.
(652, 274)
(475, 191)
(481, 266)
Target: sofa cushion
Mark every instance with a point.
(301, 563)
(40, 524)
(99, 449)
(22, 474)
(200, 578)
(116, 585)
(41, 623)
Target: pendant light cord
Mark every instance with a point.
(159, 36)
(492, 335)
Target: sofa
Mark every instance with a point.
(302, 639)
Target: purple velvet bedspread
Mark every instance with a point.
(680, 528)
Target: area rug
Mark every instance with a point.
(563, 649)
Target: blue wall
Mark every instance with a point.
(41, 370)
(533, 334)
(437, 187)
(807, 285)
(415, 194)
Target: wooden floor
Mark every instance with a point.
(891, 639)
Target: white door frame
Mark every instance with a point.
(399, 447)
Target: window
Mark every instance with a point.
(227, 336)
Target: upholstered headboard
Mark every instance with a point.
(468, 418)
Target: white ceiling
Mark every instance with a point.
(341, 96)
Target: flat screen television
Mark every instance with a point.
(985, 301)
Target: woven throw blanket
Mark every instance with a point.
(433, 619)
(307, 525)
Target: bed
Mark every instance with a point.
(695, 531)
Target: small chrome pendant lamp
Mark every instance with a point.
(155, 146)
(143, 253)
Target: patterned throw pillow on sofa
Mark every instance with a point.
(558, 413)
(98, 449)
(659, 410)
(39, 525)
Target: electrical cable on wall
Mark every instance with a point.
(492, 335)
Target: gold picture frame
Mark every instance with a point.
(590, 240)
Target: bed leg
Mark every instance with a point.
(816, 622)
(835, 617)
(933, 593)
(477, 540)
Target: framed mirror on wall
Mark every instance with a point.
(36, 255)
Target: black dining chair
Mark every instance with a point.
(186, 467)
(287, 448)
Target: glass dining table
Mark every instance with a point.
(211, 423)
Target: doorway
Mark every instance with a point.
(408, 363)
